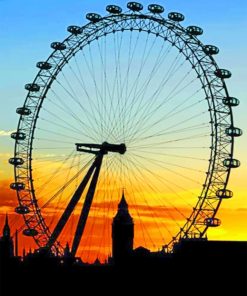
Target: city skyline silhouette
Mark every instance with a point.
(128, 151)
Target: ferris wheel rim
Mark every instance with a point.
(116, 19)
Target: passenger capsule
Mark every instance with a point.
(18, 136)
(155, 8)
(224, 193)
(17, 186)
(234, 132)
(22, 210)
(23, 111)
(114, 9)
(30, 232)
(93, 17)
(44, 65)
(135, 6)
(212, 222)
(176, 16)
(16, 161)
(223, 73)
(58, 46)
(75, 30)
(231, 163)
(194, 30)
(211, 49)
(231, 101)
(32, 87)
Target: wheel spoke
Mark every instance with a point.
(148, 99)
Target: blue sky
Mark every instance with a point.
(28, 27)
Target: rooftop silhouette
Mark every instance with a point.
(193, 261)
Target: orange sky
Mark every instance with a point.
(232, 213)
(217, 29)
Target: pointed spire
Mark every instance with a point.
(123, 211)
(122, 232)
(123, 203)
(6, 229)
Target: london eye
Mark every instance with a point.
(129, 101)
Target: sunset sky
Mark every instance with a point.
(27, 29)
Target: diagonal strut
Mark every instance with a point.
(99, 150)
(71, 206)
(86, 206)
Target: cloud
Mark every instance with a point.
(242, 209)
(7, 196)
(146, 210)
(4, 133)
(6, 209)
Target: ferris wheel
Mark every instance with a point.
(130, 100)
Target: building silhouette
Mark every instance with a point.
(189, 270)
(6, 242)
(122, 233)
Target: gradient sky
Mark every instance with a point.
(28, 27)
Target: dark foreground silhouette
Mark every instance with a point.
(197, 267)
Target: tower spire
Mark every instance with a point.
(122, 232)
(6, 242)
(6, 228)
(123, 203)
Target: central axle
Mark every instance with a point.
(103, 148)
